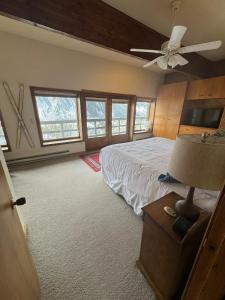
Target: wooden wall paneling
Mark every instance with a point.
(100, 24)
(206, 281)
(168, 111)
(211, 88)
(186, 129)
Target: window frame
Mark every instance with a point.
(52, 92)
(5, 134)
(151, 101)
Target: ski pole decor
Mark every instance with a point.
(18, 109)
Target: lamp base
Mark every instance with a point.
(186, 208)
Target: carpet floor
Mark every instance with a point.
(84, 238)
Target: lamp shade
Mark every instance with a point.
(199, 164)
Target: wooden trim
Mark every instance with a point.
(83, 117)
(132, 117)
(57, 90)
(5, 134)
(106, 94)
(145, 99)
(42, 141)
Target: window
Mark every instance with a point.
(58, 115)
(96, 117)
(142, 116)
(119, 116)
(4, 142)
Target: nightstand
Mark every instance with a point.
(166, 258)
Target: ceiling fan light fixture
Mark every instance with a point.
(163, 62)
(172, 62)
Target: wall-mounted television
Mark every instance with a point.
(203, 117)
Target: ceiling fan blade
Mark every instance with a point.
(145, 50)
(200, 47)
(176, 36)
(152, 62)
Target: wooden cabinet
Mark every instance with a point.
(211, 88)
(166, 258)
(168, 111)
(185, 129)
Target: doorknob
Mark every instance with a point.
(20, 201)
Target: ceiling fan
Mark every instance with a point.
(172, 49)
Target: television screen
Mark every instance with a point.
(203, 117)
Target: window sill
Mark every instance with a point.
(141, 132)
(5, 149)
(61, 142)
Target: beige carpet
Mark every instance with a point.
(84, 238)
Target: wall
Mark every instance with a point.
(35, 63)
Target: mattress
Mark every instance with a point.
(132, 169)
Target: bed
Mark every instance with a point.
(132, 169)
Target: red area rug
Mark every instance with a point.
(92, 160)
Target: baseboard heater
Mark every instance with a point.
(34, 158)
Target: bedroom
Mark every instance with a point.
(84, 238)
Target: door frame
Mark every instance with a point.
(19, 279)
(99, 143)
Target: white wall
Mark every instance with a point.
(35, 63)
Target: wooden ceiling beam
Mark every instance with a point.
(99, 23)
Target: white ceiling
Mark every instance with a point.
(205, 19)
(43, 35)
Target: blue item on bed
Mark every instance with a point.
(167, 178)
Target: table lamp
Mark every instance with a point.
(197, 162)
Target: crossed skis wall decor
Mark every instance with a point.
(18, 109)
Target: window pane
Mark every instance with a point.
(3, 140)
(58, 117)
(2, 136)
(119, 118)
(96, 118)
(142, 116)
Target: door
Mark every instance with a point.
(119, 120)
(168, 111)
(18, 278)
(106, 119)
(96, 122)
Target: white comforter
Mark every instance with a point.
(132, 170)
